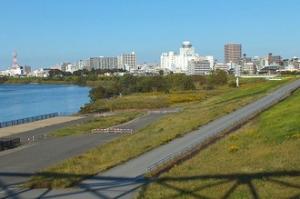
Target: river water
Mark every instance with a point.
(19, 101)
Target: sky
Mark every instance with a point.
(47, 32)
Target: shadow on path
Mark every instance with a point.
(118, 187)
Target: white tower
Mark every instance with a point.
(14, 61)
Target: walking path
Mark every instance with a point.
(13, 130)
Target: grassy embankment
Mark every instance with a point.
(194, 114)
(99, 122)
(260, 159)
(149, 100)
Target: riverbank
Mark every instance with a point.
(13, 130)
(40, 80)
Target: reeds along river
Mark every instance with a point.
(26, 100)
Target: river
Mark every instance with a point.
(19, 101)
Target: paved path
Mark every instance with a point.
(122, 181)
(51, 122)
(33, 157)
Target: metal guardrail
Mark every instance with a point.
(28, 120)
(194, 146)
(112, 130)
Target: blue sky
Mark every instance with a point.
(46, 32)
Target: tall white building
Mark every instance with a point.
(127, 61)
(185, 60)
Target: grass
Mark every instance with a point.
(263, 154)
(169, 127)
(151, 100)
(99, 122)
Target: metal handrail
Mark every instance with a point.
(27, 120)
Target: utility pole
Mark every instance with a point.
(237, 75)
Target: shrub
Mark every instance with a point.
(232, 83)
(219, 77)
(233, 148)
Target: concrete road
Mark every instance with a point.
(33, 157)
(123, 181)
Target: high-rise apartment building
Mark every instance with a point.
(104, 63)
(232, 53)
(127, 61)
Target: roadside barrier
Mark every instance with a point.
(112, 130)
(28, 120)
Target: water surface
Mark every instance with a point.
(25, 100)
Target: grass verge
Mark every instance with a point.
(171, 126)
(260, 160)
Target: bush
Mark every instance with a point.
(232, 83)
(100, 92)
(219, 77)
(3, 79)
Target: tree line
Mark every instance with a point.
(128, 84)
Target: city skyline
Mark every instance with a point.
(50, 32)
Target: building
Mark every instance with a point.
(84, 64)
(232, 53)
(274, 59)
(127, 61)
(108, 63)
(221, 66)
(178, 63)
(103, 63)
(39, 73)
(169, 61)
(187, 61)
(71, 68)
(27, 70)
(248, 68)
(199, 67)
(15, 69)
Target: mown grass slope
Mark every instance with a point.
(260, 160)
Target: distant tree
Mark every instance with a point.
(219, 77)
(128, 84)
(180, 82)
(3, 79)
(161, 72)
(98, 93)
(81, 80)
(200, 79)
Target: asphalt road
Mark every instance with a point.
(123, 181)
(43, 153)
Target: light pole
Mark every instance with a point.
(237, 75)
